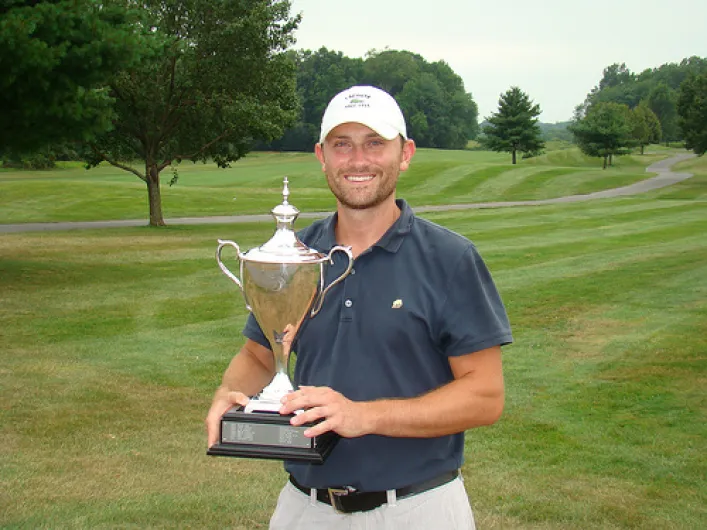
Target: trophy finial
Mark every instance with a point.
(285, 213)
(285, 191)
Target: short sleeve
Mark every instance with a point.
(252, 331)
(472, 315)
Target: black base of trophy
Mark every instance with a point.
(269, 435)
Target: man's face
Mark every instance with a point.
(361, 166)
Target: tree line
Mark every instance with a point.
(657, 88)
(438, 110)
(162, 81)
(627, 110)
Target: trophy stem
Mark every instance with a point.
(269, 399)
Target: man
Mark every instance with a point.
(404, 356)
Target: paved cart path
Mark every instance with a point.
(665, 177)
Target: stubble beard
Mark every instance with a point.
(385, 181)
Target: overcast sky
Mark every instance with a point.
(554, 50)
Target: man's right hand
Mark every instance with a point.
(223, 401)
(250, 370)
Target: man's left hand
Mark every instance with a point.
(341, 415)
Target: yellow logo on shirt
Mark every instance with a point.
(397, 304)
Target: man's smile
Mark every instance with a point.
(359, 178)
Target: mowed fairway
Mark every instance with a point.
(72, 193)
(113, 341)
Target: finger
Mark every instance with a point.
(296, 401)
(238, 398)
(318, 429)
(290, 396)
(213, 419)
(305, 403)
(212, 429)
(308, 416)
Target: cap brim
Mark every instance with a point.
(386, 130)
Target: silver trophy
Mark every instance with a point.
(282, 283)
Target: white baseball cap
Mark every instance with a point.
(367, 105)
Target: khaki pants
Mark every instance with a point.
(443, 508)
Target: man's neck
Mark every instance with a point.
(361, 229)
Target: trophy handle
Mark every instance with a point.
(320, 300)
(222, 243)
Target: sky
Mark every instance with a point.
(553, 50)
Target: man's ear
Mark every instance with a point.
(320, 155)
(408, 152)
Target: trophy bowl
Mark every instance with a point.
(282, 283)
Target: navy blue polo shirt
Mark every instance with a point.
(418, 296)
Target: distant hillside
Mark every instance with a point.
(555, 131)
(550, 131)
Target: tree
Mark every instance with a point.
(55, 59)
(662, 100)
(461, 122)
(646, 126)
(515, 126)
(390, 70)
(439, 112)
(615, 75)
(437, 118)
(320, 75)
(218, 77)
(655, 86)
(605, 131)
(692, 111)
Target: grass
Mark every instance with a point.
(72, 193)
(114, 340)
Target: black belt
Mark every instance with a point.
(348, 500)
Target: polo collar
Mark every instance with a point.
(391, 240)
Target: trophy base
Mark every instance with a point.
(270, 436)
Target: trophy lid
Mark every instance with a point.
(284, 246)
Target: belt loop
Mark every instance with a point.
(313, 497)
(392, 498)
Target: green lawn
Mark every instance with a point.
(72, 193)
(114, 340)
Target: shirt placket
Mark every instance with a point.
(350, 288)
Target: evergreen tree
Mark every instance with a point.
(514, 128)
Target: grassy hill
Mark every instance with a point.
(113, 341)
(71, 193)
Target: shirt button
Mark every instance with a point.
(353, 271)
(348, 303)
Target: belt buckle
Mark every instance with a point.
(335, 495)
